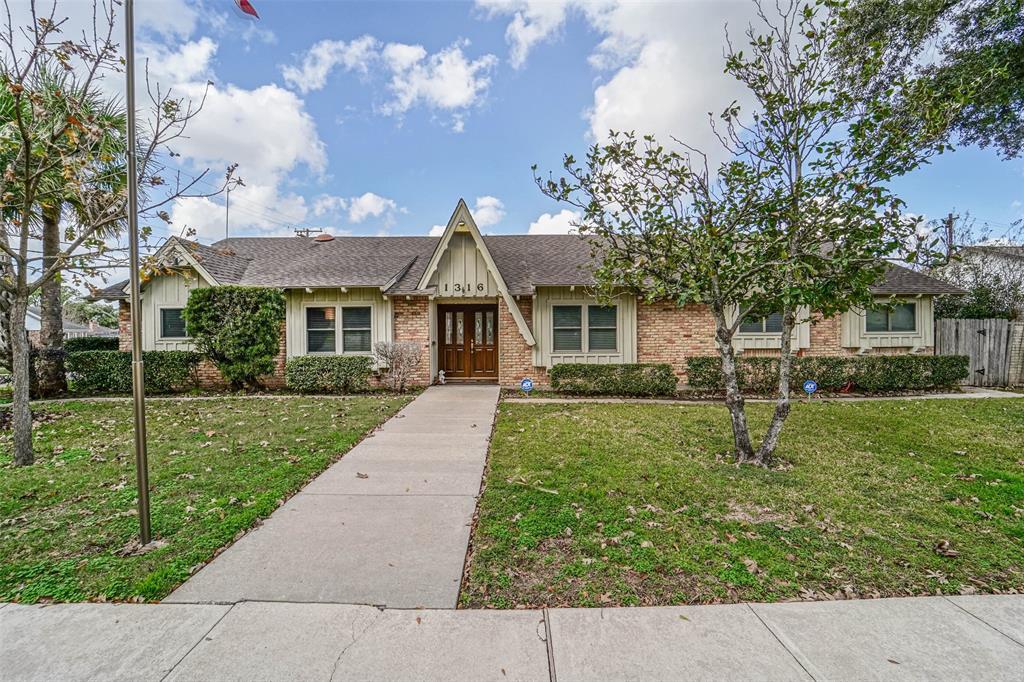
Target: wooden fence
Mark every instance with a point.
(986, 342)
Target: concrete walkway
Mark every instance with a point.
(963, 638)
(387, 525)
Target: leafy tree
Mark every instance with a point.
(238, 329)
(948, 43)
(46, 131)
(800, 218)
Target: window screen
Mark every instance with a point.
(601, 327)
(567, 323)
(768, 324)
(320, 330)
(901, 318)
(355, 330)
(172, 325)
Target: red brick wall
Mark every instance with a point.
(411, 322)
(124, 326)
(515, 356)
(667, 333)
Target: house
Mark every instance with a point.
(492, 308)
(72, 329)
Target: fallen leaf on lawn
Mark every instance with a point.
(751, 565)
(943, 548)
(360, 474)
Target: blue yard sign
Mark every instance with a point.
(810, 386)
(526, 385)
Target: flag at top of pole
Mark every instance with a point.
(247, 7)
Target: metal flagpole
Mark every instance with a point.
(138, 386)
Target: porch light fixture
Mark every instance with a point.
(344, 290)
(309, 290)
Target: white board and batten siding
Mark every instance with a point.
(166, 291)
(297, 300)
(543, 353)
(855, 334)
(773, 341)
(462, 271)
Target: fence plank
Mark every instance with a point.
(987, 344)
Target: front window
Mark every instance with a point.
(765, 324)
(172, 324)
(320, 336)
(601, 321)
(355, 330)
(900, 318)
(567, 323)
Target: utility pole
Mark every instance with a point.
(138, 374)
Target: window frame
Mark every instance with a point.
(888, 331)
(584, 328)
(339, 341)
(341, 318)
(763, 319)
(160, 324)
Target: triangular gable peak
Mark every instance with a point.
(462, 267)
(176, 253)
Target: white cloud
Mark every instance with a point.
(327, 203)
(533, 22)
(665, 60)
(254, 208)
(370, 205)
(558, 223)
(437, 230)
(445, 80)
(187, 62)
(321, 59)
(488, 211)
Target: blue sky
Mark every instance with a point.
(374, 118)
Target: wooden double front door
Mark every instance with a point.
(468, 341)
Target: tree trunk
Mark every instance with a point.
(21, 415)
(782, 404)
(733, 398)
(51, 377)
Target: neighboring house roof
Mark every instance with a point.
(70, 326)
(396, 265)
(1003, 251)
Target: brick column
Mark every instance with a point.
(515, 356)
(124, 326)
(411, 322)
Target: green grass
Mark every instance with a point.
(67, 523)
(623, 504)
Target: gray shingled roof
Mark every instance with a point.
(396, 264)
(1006, 251)
(901, 280)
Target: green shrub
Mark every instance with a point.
(110, 371)
(329, 373)
(627, 379)
(83, 343)
(869, 374)
(238, 329)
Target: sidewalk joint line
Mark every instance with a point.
(198, 642)
(552, 674)
(779, 640)
(979, 618)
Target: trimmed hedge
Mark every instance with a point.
(869, 374)
(626, 379)
(329, 373)
(83, 343)
(107, 371)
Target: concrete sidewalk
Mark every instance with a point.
(978, 637)
(387, 525)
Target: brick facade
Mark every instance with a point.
(411, 322)
(667, 333)
(515, 357)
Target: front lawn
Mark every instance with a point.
(68, 523)
(622, 504)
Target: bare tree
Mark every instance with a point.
(49, 130)
(401, 358)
